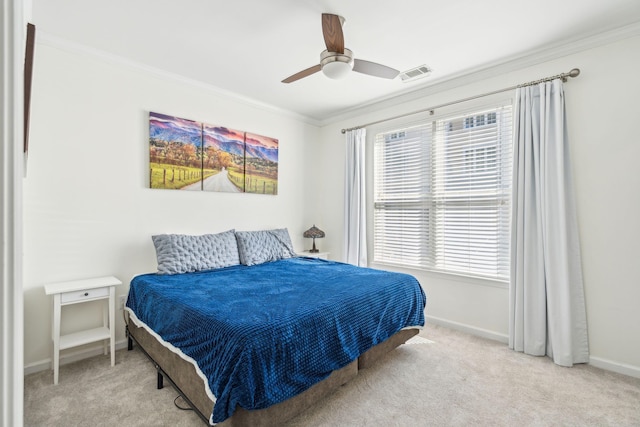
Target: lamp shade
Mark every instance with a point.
(314, 232)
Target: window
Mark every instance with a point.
(442, 194)
(468, 122)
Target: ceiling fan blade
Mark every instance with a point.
(374, 69)
(301, 74)
(332, 32)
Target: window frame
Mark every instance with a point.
(470, 109)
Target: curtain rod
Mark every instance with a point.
(573, 73)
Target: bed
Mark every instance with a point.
(255, 343)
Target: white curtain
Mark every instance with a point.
(547, 313)
(355, 215)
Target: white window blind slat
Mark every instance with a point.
(442, 194)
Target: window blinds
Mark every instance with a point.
(402, 187)
(442, 194)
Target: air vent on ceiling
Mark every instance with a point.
(415, 73)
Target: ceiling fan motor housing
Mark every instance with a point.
(336, 65)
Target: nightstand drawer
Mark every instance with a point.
(84, 295)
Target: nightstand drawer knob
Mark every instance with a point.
(86, 294)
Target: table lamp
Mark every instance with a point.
(313, 233)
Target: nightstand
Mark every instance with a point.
(322, 255)
(77, 292)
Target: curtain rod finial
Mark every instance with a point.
(343, 131)
(574, 73)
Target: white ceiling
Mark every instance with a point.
(248, 46)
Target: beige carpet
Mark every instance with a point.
(449, 379)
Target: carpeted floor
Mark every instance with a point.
(448, 378)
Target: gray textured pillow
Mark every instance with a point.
(256, 247)
(179, 253)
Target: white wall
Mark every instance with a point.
(88, 210)
(602, 114)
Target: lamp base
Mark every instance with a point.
(313, 251)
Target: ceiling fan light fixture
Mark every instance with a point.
(337, 70)
(336, 65)
(336, 61)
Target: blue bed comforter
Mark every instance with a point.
(265, 333)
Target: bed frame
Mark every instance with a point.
(183, 377)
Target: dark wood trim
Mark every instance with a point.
(28, 76)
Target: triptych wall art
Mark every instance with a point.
(194, 156)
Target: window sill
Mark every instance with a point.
(457, 277)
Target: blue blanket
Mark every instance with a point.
(265, 333)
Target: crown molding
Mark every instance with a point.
(84, 50)
(429, 87)
(503, 66)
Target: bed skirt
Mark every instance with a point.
(190, 385)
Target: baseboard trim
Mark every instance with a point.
(484, 333)
(70, 357)
(598, 362)
(610, 365)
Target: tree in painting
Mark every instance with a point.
(224, 152)
(261, 164)
(175, 155)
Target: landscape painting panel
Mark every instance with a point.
(175, 153)
(223, 159)
(189, 155)
(261, 164)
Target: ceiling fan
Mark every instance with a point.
(337, 61)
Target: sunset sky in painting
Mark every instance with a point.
(170, 128)
(236, 142)
(265, 141)
(222, 134)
